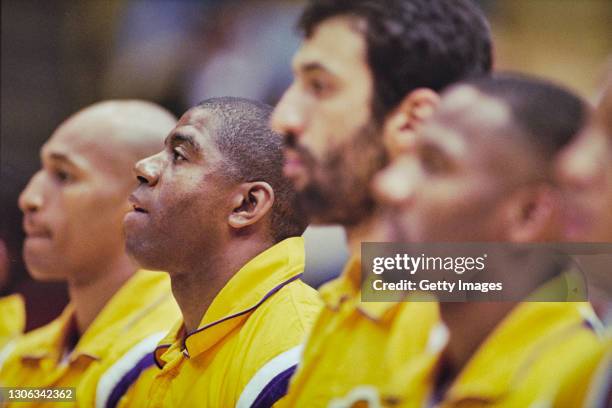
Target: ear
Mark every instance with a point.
(400, 125)
(534, 214)
(250, 203)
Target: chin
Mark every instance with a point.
(144, 254)
(45, 273)
(134, 249)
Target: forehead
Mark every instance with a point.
(338, 45)
(198, 118)
(198, 123)
(86, 140)
(473, 127)
(468, 109)
(468, 115)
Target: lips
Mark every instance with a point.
(293, 164)
(139, 209)
(35, 229)
(136, 205)
(136, 217)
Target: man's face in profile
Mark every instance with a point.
(74, 205)
(584, 169)
(450, 185)
(332, 145)
(179, 207)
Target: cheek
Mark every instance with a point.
(455, 207)
(333, 125)
(601, 202)
(318, 140)
(608, 183)
(186, 210)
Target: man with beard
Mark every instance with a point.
(214, 210)
(366, 76)
(73, 210)
(584, 169)
(480, 171)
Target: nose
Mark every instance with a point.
(147, 170)
(31, 198)
(396, 185)
(581, 165)
(288, 116)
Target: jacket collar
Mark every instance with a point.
(255, 282)
(124, 309)
(347, 288)
(503, 358)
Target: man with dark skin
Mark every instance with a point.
(73, 210)
(215, 212)
(584, 169)
(480, 171)
(365, 78)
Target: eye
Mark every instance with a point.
(318, 86)
(177, 156)
(61, 175)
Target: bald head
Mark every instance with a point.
(74, 205)
(543, 114)
(479, 169)
(584, 169)
(116, 134)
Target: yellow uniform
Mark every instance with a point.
(247, 344)
(124, 332)
(367, 353)
(543, 354)
(12, 323)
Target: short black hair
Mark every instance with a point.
(412, 43)
(548, 115)
(253, 152)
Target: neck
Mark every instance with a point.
(470, 323)
(195, 287)
(89, 296)
(465, 337)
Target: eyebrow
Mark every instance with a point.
(308, 67)
(181, 138)
(60, 157)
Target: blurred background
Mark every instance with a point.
(60, 56)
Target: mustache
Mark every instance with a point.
(290, 142)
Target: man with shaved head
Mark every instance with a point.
(584, 169)
(73, 209)
(480, 171)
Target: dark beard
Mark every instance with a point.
(339, 188)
